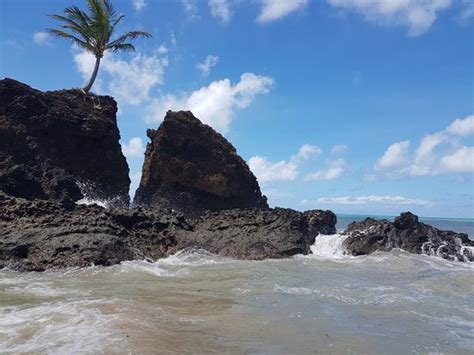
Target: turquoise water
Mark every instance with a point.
(460, 225)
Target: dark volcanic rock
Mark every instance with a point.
(50, 141)
(320, 221)
(257, 233)
(38, 235)
(406, 233)
(192, 168)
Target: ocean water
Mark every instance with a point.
(195, 302)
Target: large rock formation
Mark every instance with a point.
(407, 233)
(192, 168)
(258, 233)
(52, 141)
(38, 235)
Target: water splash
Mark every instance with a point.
(329, 246)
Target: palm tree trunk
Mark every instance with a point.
(94, 75)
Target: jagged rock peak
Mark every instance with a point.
(191, 168)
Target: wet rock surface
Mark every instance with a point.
(406, 233)
(51, 141)
(191, 168)
(258, 233)
(39, 235)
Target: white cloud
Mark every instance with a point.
(129, 81)
(276, 9)
(289, 170)
(190, 7)
(335, 170)
(339, 149)
(41, 38)
(417, 15)
(138, 5)
(134, 148)
(437, 153)
(386, 200)
(394, 156)
(213, 104)
(266, 171)
(305, 152)
(220, 9)
(462, 127)
(206, 66)
(461, 161)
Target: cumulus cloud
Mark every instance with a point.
(461, 161)
(129, 81)
(220, 9)
(206, 66)
(41, 38)
(139, 5)
(289, 170)
(386, 200)
(213, 104)
(334, 170)
(417, 15)
(394, 156)
(437, 153)
(266, 170)
(134, 148)
(276, 9)
(462, 127)
(305, 152)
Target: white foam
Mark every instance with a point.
(329, 246)
(57, 327)
(178, 264)
(87, 201)
(192, 257)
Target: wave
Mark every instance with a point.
(329, 246)
(58, 327)
(178, 264)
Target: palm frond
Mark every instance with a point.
(127, 47)
(74, 39)
(130, 36)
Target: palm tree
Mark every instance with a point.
(93, 31)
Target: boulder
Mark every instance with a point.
(60, 145)
(406, 233)
(191, 168)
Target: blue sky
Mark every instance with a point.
(357, 106)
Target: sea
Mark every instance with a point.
(194, 302)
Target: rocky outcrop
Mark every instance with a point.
(191, 168)
(258, 233)
(39, 235)
(52, 141)
(407, 233)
